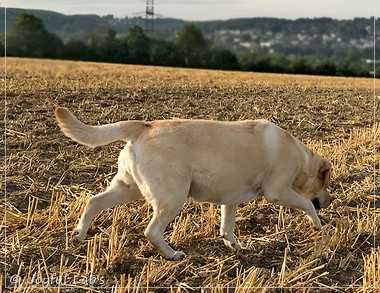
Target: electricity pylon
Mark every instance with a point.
(149, 16)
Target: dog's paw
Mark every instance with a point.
(78, 235)
(233, 245)
(236, 246)
(178, 255)
(317, 225)
(316, 222)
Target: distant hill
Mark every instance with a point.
(318, 37)
(76, 27)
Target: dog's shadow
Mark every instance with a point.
(266, 255)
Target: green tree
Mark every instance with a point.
(29, 38)
(105, 47)
(265, 62)
(253, 62)
(2, 45)
(346, 68)
(326, 67)
(192, 47)
(225, 60)
(138, 46)
(300, 65)
(76, 50)
(277, 63)
(377, 73)
(163, 53)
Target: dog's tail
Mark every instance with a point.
(97, 135)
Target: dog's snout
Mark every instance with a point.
(322, 202)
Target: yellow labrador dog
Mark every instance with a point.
(226, 163)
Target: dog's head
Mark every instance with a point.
(314, 180)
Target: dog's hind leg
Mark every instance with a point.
(117, 193)
(227, 226)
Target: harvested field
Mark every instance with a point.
(49, 178)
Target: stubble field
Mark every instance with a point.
(49, 178)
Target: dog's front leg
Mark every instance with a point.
(164, 211)
(227, 226)
(291, 199)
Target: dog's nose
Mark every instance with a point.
(316, 203)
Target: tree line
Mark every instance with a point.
(28, 37)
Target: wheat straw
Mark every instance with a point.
(49, 180)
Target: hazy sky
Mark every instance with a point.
(209, 9)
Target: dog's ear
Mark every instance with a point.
(324, 171)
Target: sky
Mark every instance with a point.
(209, 9)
